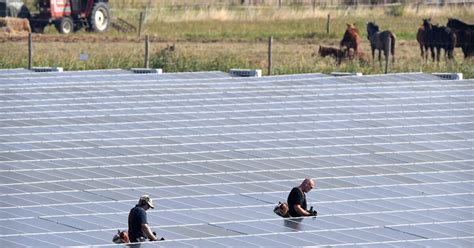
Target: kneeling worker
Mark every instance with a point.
(138, 229)
(297, 199)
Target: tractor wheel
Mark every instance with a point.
(65, 25)
(100, 17)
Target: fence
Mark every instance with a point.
(230, 3)
(121, 4)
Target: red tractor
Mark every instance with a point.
(71, 15)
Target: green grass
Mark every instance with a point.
(283, 30)
(189, 62)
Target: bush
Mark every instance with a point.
(395, 10)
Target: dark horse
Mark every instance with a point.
(464, 36)
(379, 40)
(420, 37)
(351, 39)
(439, 37)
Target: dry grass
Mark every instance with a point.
(166, 14)
(14, 25)
(225, 42)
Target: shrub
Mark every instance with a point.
(395, 10)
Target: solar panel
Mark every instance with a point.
(102, 75)
(391, 156)
(5, 72)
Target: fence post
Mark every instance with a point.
(145, 14)
(328, 23)
(147, 44)
(140, 24)
(30, 51)
(387, 52)
(270, 42)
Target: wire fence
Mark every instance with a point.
(152, 3)
(272, 3)
(200, 4)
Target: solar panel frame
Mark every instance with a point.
(389, 151)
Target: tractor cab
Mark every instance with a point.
(72, 15)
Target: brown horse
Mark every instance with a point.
(351, 39)
(340, 54)
(336, 53)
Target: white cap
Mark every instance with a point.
(146, 199)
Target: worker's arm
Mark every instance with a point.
(300, 210)
(148, 232)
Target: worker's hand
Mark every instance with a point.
(157, 239)
(312, 212)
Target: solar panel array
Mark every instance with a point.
(391, 156)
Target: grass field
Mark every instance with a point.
(220, 39)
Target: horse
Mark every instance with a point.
(458, 24)
(465, 40)
(439, 37)
(340, 54)
(420, 37)
(351, 39)
(464, 36)
(379, 40)
(336, 53)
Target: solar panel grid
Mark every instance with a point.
(7, 72)
(233, 157)
(110, 74)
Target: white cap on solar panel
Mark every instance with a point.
(391, 156)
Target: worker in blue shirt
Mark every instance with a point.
(138, 228)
